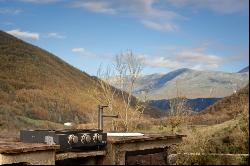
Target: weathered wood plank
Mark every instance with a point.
(7, 147)
(148, 144)
(70, 155)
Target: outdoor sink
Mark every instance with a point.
(124, 134)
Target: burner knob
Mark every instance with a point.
(85, 138)
(72, 139)
(97, 137)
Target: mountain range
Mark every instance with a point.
(192, 84)
(200, 88)
(246, 69)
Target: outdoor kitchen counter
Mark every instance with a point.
(150, 149)
(13, 151)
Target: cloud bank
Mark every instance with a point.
(195, 58)
(82, 51)
(160, 15)
(24, 35)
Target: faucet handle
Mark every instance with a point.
(111, 116)
(102, 106)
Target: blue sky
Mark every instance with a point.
(168, 34)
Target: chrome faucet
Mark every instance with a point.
(100, 116)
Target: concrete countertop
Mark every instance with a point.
(146, 137)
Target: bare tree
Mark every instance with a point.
(103, 93)
(178, 110)
(124, 74)
(142, 101)
(128, 68)
(177, 113)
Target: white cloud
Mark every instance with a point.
(55, 35)
(40, 1)
(95, 6)
(195, 58)
(147, 9)
(24, 35)
(156, 8)
(159, 26)
(159, 14)
(221, 6)
(82, 51)
(162, 62)
(9, 11)
(137, 8)
(144, 10)
(78, 50)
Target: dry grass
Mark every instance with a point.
(231, 137)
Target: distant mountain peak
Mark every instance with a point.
(180, 71)
(183, 69)
(170, 76)
(246, 69)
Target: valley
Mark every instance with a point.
(116, 82)
(40, 91)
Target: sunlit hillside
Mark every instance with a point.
(37, 85)
(225, 109)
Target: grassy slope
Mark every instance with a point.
(38, 85)
(225, 109)
(226, 132)
(230, 137)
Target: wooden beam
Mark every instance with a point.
(30, 158)
(150, 144)
(71, 155)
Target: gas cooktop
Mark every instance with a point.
(68, 139)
